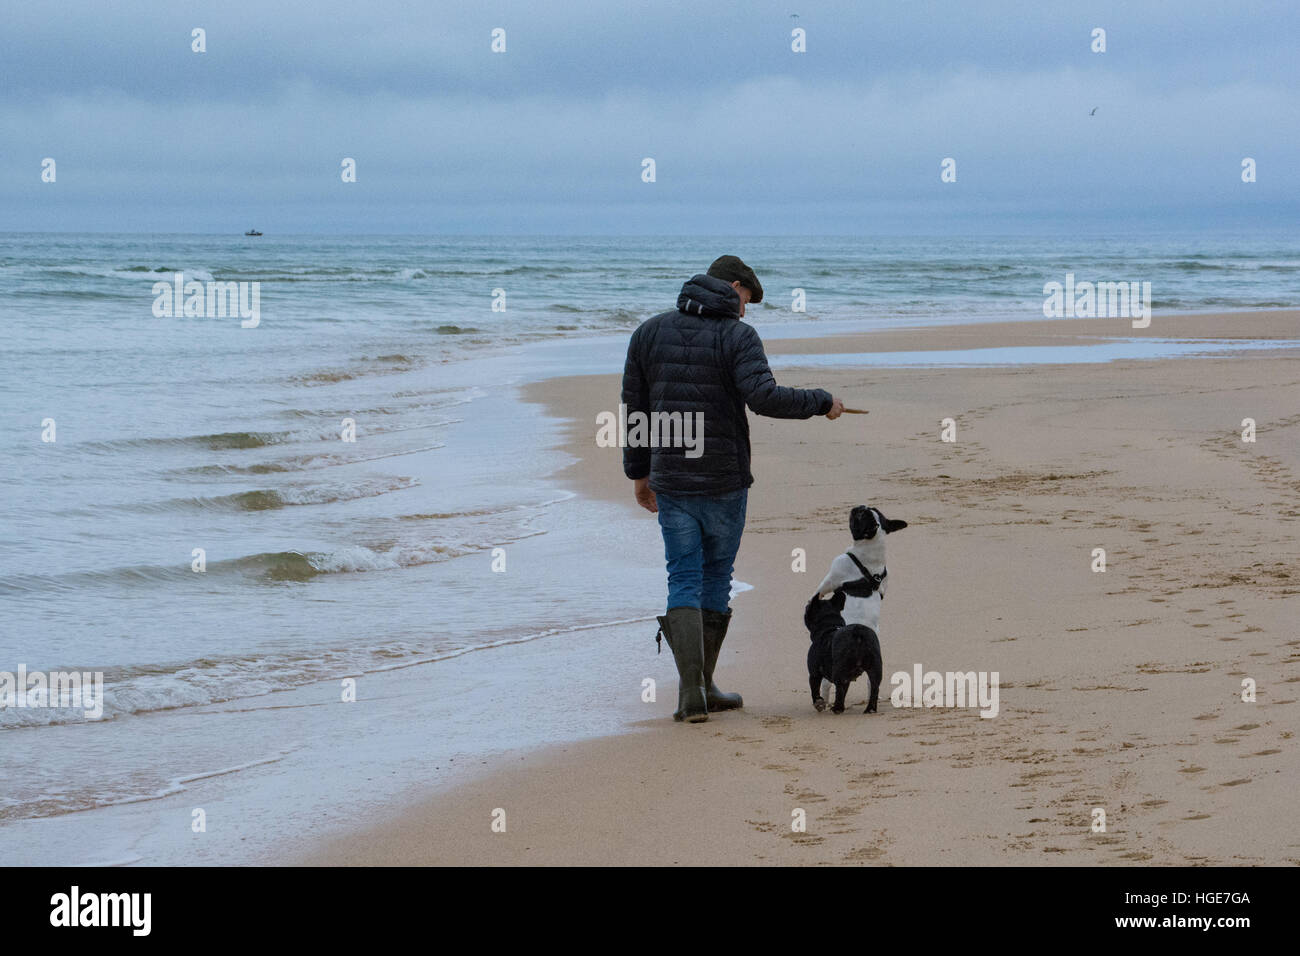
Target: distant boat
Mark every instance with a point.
(252, 232)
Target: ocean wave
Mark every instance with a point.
(621, 316)
(270, 567)
(131, 576)
(89, 294)
(246, 440)
(94, 793)
(296, 463)
(165, 274)
(378, 365)
(267, 567)
(219, 441)
(149, 688)
(132, 273)
(1199, 265)
(325, 275)
(282, 566)
(598, 318)
(457, 533)
(268, 499)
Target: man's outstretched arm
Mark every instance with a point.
(757, 385)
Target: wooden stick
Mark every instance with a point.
(856, 411)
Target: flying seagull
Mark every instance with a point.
(1094, 111)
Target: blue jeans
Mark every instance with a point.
(701, 537)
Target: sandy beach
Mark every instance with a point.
(1119, 690)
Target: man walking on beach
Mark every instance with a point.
(701, 360)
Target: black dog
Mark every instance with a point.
(839, 653)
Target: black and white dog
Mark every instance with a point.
(859, 576)
(840, 653)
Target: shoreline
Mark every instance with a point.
(642, 792)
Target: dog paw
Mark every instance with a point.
(837, 710)
(820, 704)
(870, 710)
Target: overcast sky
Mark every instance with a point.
(747, 136)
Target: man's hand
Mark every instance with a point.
(837, 409)
(645, 497)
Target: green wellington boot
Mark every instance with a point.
(715, 631)
(683, 629)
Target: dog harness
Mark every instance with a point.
(866, 585)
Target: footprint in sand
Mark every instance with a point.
(804, 750)
(803, 839)
(1135, 855)
(807, 796)
(864, 853)
(780, 724)
(872, 776)
(840, 814)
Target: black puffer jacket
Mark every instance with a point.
(702, 358)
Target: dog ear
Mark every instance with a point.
(891, 525)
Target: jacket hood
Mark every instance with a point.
(705, 295)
